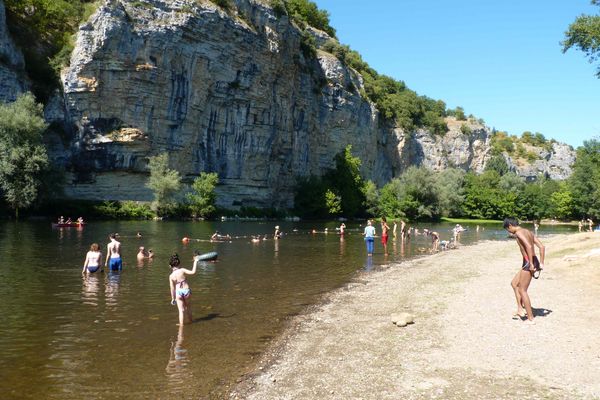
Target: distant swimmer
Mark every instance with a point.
(342, 228)
(142, 253)
(181, 292)
(186, 239)
(138, 235)
(255, 239)
(113, 254)
(93, 258)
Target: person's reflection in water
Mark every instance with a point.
(178, 374)
(342, 245)
(111, 289)
(369, 264)
(276, 242)
(402, 249)
(90, 289)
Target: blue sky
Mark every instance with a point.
(499, 60)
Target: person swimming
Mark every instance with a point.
(180, 290)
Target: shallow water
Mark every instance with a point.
(115, 335)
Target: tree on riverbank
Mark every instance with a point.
(202, 198)
(23, 157)
(164, 183)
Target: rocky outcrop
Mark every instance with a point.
(227, 92)
(555, 163)
(13, 79)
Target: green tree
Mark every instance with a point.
(562, 203)
(333, 202)
(23, 158)
(164, 183)
(202, 198)
(371, 194)
(449, 183)
(307, 12)
(414, 195)
(584, 182)
(497, 163)
(346, 181)
(484, 198)
(584, 35)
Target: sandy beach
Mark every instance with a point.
(464, 343)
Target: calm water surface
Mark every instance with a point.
(115, 335)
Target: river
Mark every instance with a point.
(114, 335)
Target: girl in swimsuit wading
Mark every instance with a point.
(180, 290)
(92, 259)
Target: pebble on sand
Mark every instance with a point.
(403, 319)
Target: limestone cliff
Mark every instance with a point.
(13, 80)
(230, 92)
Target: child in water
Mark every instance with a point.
(180, 290)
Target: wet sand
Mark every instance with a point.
(463, 344)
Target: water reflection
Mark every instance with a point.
(90, 289)
(111, 289)
(368, 263)
(177, 370)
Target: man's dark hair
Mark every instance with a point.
(112, 236)
(510, 221)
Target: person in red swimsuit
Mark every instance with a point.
(384, 234)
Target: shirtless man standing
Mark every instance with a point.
(520, 283)
(113, 253)
(384, 234)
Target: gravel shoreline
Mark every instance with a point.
(463, 344)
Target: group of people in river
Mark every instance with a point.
(406, 232)
(62, 221)
(590, 225)
(181, 292)
(113, 260)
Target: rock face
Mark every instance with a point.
(231, 93)
(13, 80)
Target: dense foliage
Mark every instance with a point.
(584, 183)
(304, 12)
(164, 183)
(584, 35)
(520, 147)
(202, 198)
(339, 191)
(23, 157)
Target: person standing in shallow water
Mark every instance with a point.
(369, 234)
(181, 294)
(384, 234)
(113, 254)
(520, 283)
(93, 258)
